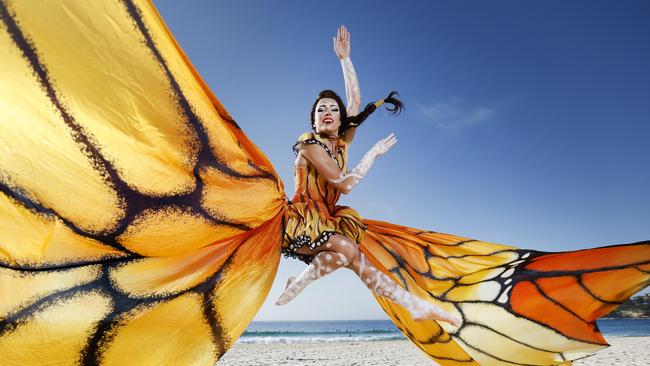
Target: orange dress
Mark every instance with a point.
(313, 216)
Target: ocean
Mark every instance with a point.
(381, 330)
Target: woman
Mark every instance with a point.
(159, 224)
(317, 229)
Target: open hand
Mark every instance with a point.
(383, 145)
(342, 43)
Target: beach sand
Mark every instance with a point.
(625, 351)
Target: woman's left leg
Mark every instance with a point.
(337, 252)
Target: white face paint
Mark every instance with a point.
(327, 117)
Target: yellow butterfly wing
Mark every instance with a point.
(125, 234)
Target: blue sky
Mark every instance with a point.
(527, 123)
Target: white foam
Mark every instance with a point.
(266, 340)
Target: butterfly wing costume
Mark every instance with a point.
(127, 239)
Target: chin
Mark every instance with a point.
(329, 130)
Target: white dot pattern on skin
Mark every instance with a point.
(344, 259)
(310, 274)
(382, 285)
(339, 263)
(328, 257)
(328, 245)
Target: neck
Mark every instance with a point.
(332, 137)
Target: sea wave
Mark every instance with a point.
(272, 333)
(318, 339)
(380, 330)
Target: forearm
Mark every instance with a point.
(350, 179)
(352, 89)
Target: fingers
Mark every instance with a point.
(385, 144)
(342, 34)
(345, 35)
(390, 139)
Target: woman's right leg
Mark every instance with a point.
(382, 285)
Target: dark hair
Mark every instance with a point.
(354, 121)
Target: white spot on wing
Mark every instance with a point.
(504, 296)
(508, 273)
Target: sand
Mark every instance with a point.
(625, 351)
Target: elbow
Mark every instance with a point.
(344, 184)
(345, 189)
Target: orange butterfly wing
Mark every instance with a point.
(569, 291)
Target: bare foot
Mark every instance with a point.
(438, 314)
(289, 282)
(281, 300)
(454, 320)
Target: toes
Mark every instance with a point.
(289, 282)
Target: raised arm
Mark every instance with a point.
(352, 90)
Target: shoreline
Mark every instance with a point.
(624, 350)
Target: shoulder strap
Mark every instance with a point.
(308, 138)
